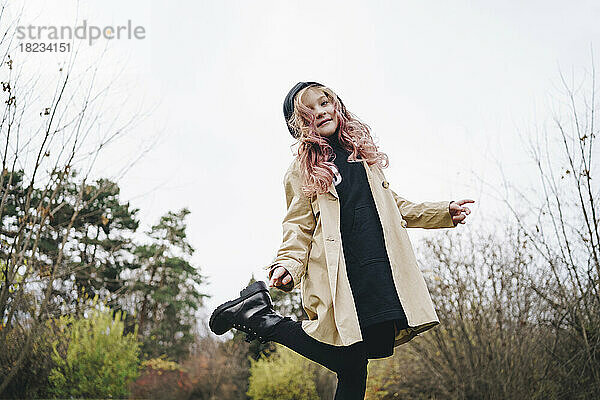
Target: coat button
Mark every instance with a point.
(385, 184)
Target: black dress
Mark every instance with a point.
(367, 263)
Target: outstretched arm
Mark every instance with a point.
(430, 214)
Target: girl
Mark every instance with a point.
(345, 245)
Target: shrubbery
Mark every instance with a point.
(97, 361)
(162, 379)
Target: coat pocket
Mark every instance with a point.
(365, 240)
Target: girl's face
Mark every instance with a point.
(326, 120)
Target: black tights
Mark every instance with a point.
(348, 362)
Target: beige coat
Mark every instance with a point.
(311, 251)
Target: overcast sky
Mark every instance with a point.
(445, 86)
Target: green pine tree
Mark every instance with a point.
(167, 289)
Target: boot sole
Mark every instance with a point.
(251, 290)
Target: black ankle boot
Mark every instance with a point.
(251, 313)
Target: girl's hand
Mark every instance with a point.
(456, 210)
(281, 279)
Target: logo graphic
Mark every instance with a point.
(337, 178)
(91, 33)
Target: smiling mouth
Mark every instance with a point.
(323, 123)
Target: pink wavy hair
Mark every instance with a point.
(314, 151)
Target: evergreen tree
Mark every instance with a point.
(166, 289)
(104, 245)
